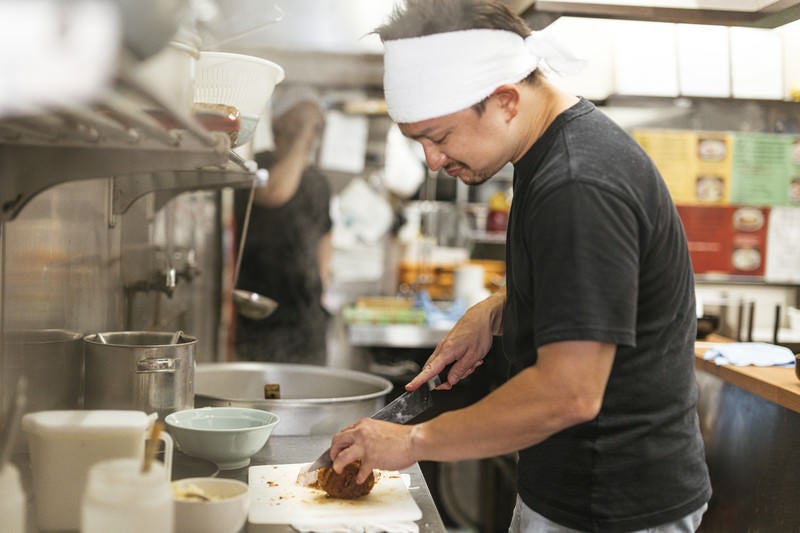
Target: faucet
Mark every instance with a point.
(190, 269)
(161, 281)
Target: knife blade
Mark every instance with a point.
(400, 410)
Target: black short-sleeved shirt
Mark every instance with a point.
(281, 261)
(597, 252)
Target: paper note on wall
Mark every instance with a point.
(783, 246)
(344, 143)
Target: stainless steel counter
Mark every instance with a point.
(278, 450)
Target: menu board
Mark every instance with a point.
(729, 240)
(725, 168)
(762, 169)
(696, 166)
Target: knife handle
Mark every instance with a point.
(440, 378)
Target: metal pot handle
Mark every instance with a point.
(159, 365)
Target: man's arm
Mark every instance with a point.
(564, 388)
(295, 138)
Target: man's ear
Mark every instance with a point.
(507, 98)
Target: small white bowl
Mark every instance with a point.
(228, 436)
(225, 512)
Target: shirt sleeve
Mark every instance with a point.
(584, 242)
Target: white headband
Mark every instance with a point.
(435, 75)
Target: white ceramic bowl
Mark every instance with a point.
(225, 512)
(242, 81)
(228, 436)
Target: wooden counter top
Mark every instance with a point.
(776, 384)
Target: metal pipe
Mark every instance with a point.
(739, 317)
(35, 128)
(105, 126)
(185, 120)
(128, 112)
(777, 325)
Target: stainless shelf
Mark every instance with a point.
(488, 236)
(395, 335)
(170, 183)
(116, 137)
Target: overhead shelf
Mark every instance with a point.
(751, 13)
(116, 137)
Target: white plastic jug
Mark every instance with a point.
(119, 497)
(65, 444)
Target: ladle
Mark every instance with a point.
(176, 337)
(248, 303)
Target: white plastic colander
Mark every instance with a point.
(242, 81)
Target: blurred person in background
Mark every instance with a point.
(597, 318)
(288, 248)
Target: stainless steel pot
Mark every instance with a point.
(139, 370)
(52, 361)
(314, 400)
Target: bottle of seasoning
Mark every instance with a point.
(499, 206)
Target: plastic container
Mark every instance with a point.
(468, 284)
(119, 497)
(65, 444)
(242, 81)
(12, 500)
(171, 72)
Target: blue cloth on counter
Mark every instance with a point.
(750, 354)
(437, 316)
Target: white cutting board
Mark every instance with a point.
(276, 498)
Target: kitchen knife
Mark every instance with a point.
(400, 410)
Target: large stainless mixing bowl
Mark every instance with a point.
(314, 400)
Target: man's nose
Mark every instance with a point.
(434, 157)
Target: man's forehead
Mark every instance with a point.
(416, 130)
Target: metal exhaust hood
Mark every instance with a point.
(750, 13)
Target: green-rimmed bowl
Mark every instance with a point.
(228, 436)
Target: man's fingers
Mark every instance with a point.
(424, 375)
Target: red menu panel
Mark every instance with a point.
(730, 240)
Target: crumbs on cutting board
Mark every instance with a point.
(288, 492)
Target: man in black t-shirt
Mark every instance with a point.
(287, 253)
(598, 316)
